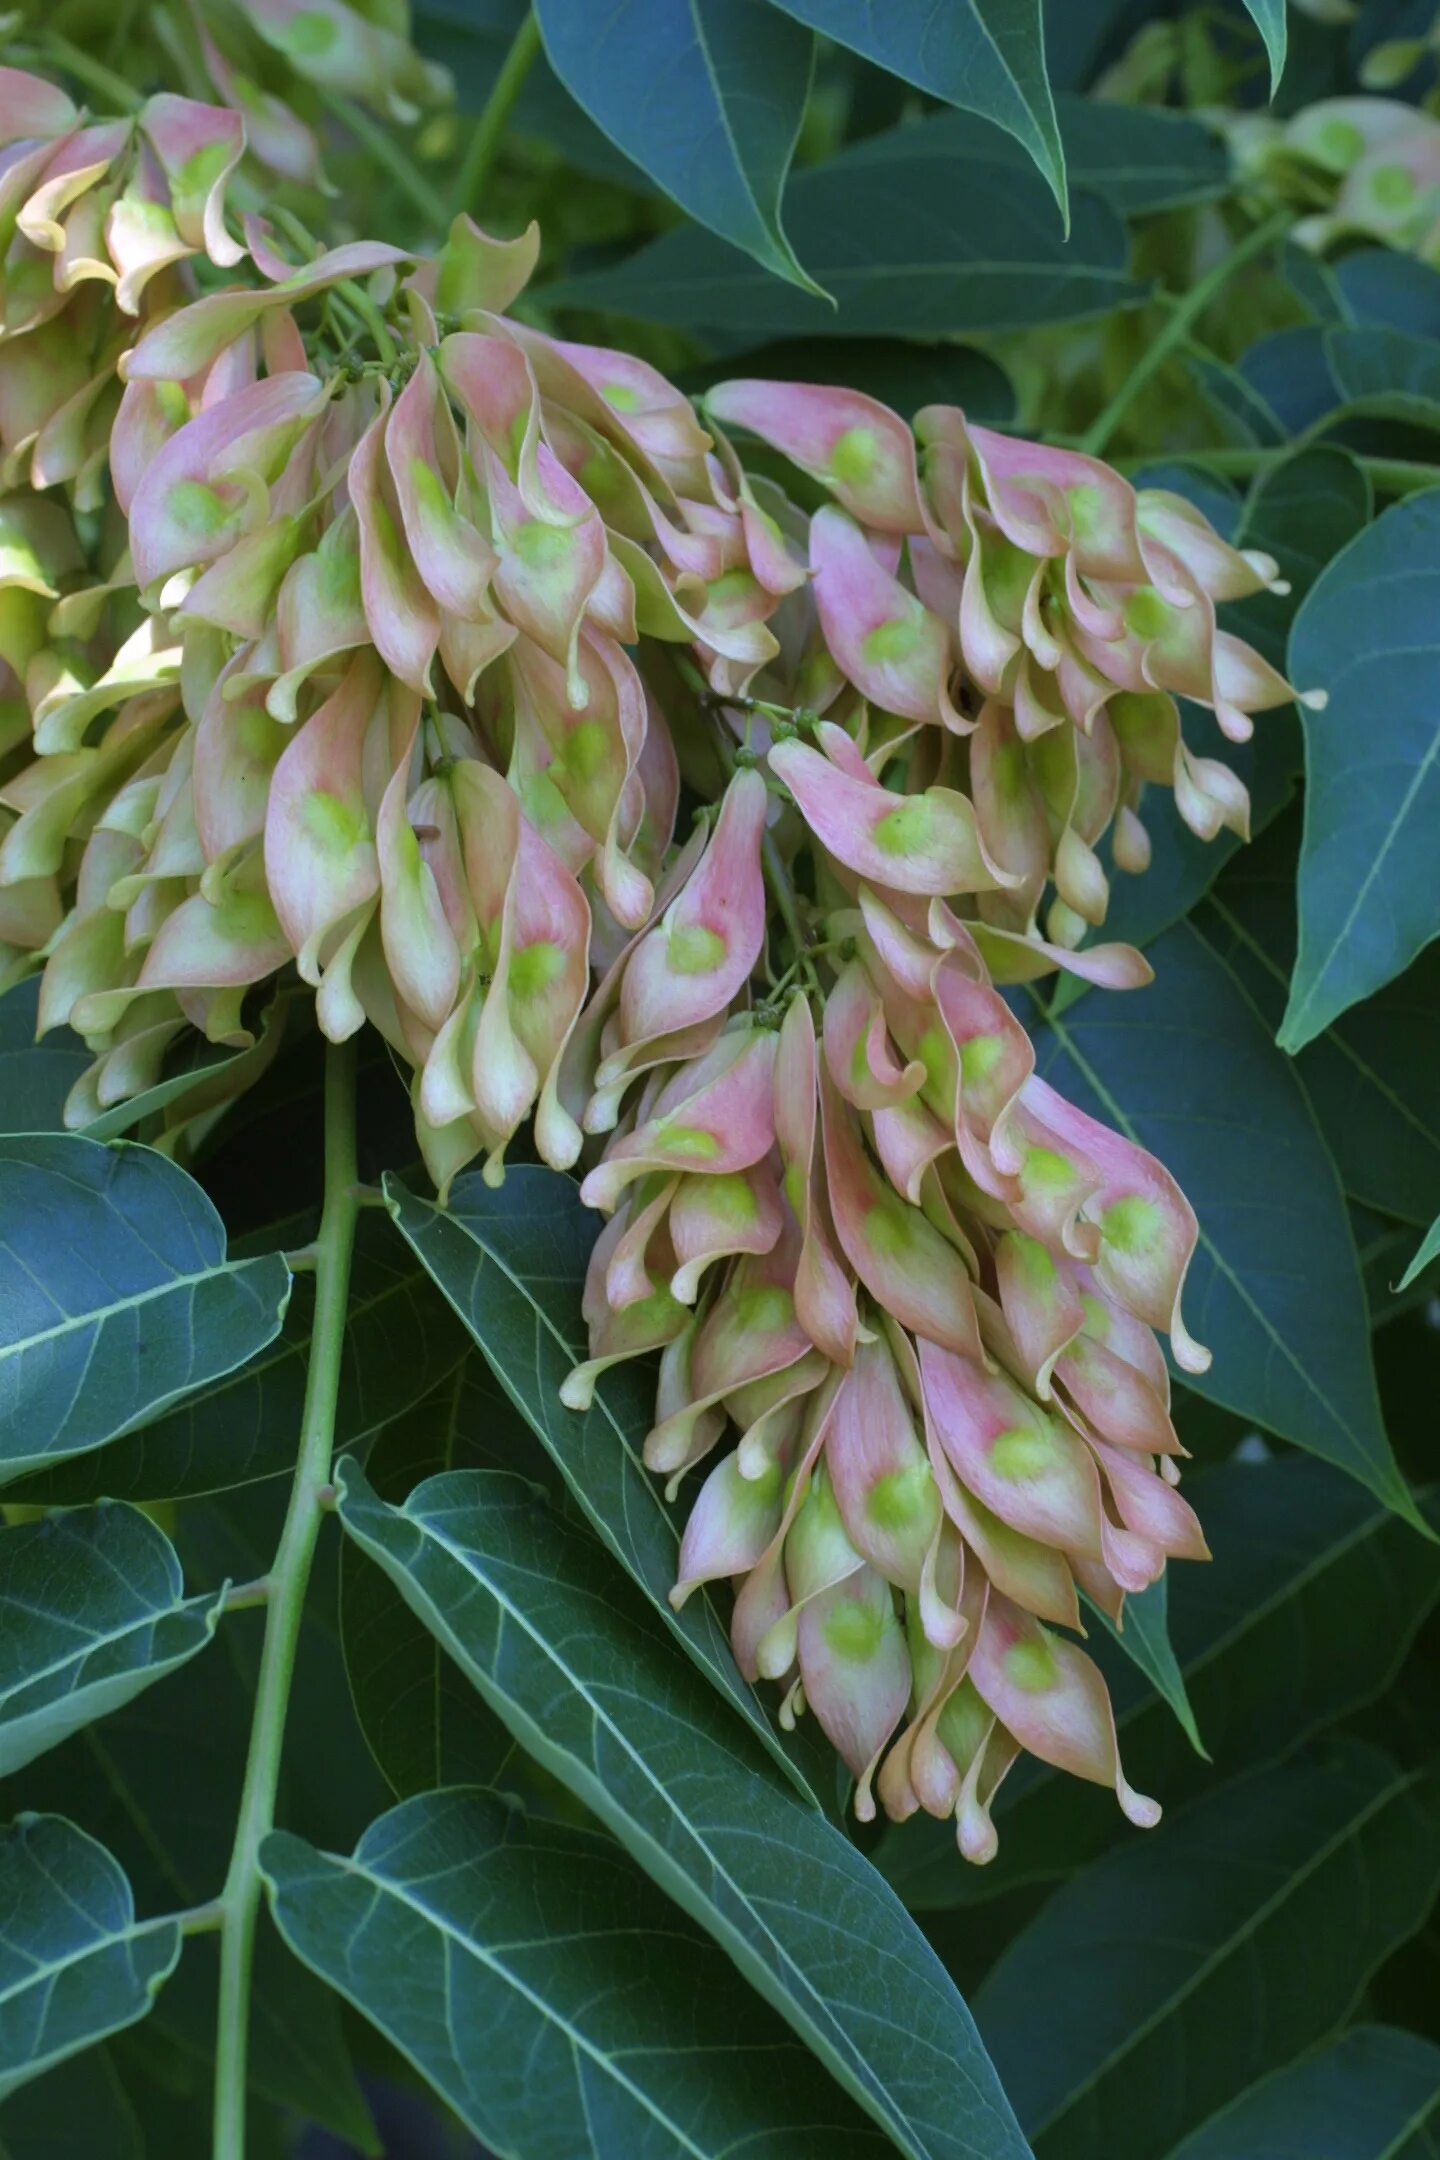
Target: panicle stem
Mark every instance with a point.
(285, 1603)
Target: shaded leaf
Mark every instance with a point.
(1372, 2093)
(1303, 1616)
(1185, 1068)
(1373, 1078)
(401, 1339)
(77, 2111)
(707, 96)
(1139, 158)
(980, 249)
(986, 56)
(115, 1295)
(539, 1983)
(422, 1720)
(1368, 895)
(900, 373)
(1380, 285)
(512, 1263)
(568, 1656)
(75, 1963)
(35, 1077)
(1232, 1937)
(92, 1610)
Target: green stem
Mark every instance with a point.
(1392, 476)
(386, 152)
(1177, 328)
(490, 127)
(93, 73)
(288, 1579)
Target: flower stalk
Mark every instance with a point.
(288, 1580)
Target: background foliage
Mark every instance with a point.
(549, 1875)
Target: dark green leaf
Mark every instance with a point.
(115, 1295)
(898, 372)
(1428, 1248)
(1384, 374)
(1374, 1077)
(158, 1783)
(1187, 1069)
(512, 1263)
(1139, 158)
(401, 1339)
(986, 56)
(978, 249)
(1369, 900)
(1304, 1615)
(706, 96)
(1145, 1640)
(78, 2111)
(35, 1077)
(1371, 2094)
(75, 1963)
(560, 2005)
(424, 1723)
(1381, 285)
(566, 1653)
(1232, 1937)
(92, 1610)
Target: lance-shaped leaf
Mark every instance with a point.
(986, 56)
(75, 1963)
(1291, 1345)
(94, 1609)
(585, 1679)
(1239, 1933)
(1145, 1639)
(707, 98)
(401, 1340)
(1372, 2093)
(1428, 1248)
(116, 1298)
(1268, 17)
(625, 2034)
(1368, 897)
(512, 1263)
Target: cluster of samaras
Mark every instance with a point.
(412, 626)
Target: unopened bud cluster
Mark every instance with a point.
(396, 626)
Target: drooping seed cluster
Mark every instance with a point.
(409, 633)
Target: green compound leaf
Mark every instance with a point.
(568, 1656)
(75, 1964)
(1232, 1937)
(1186, 1068)
(555, 1999)
(1369, 898)
(986, 56)
(116, 1298)
(706, 96)
(92, 1610)
(1268, 17)
(1373, 2093)
(512, 1263)
(401, 1339)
